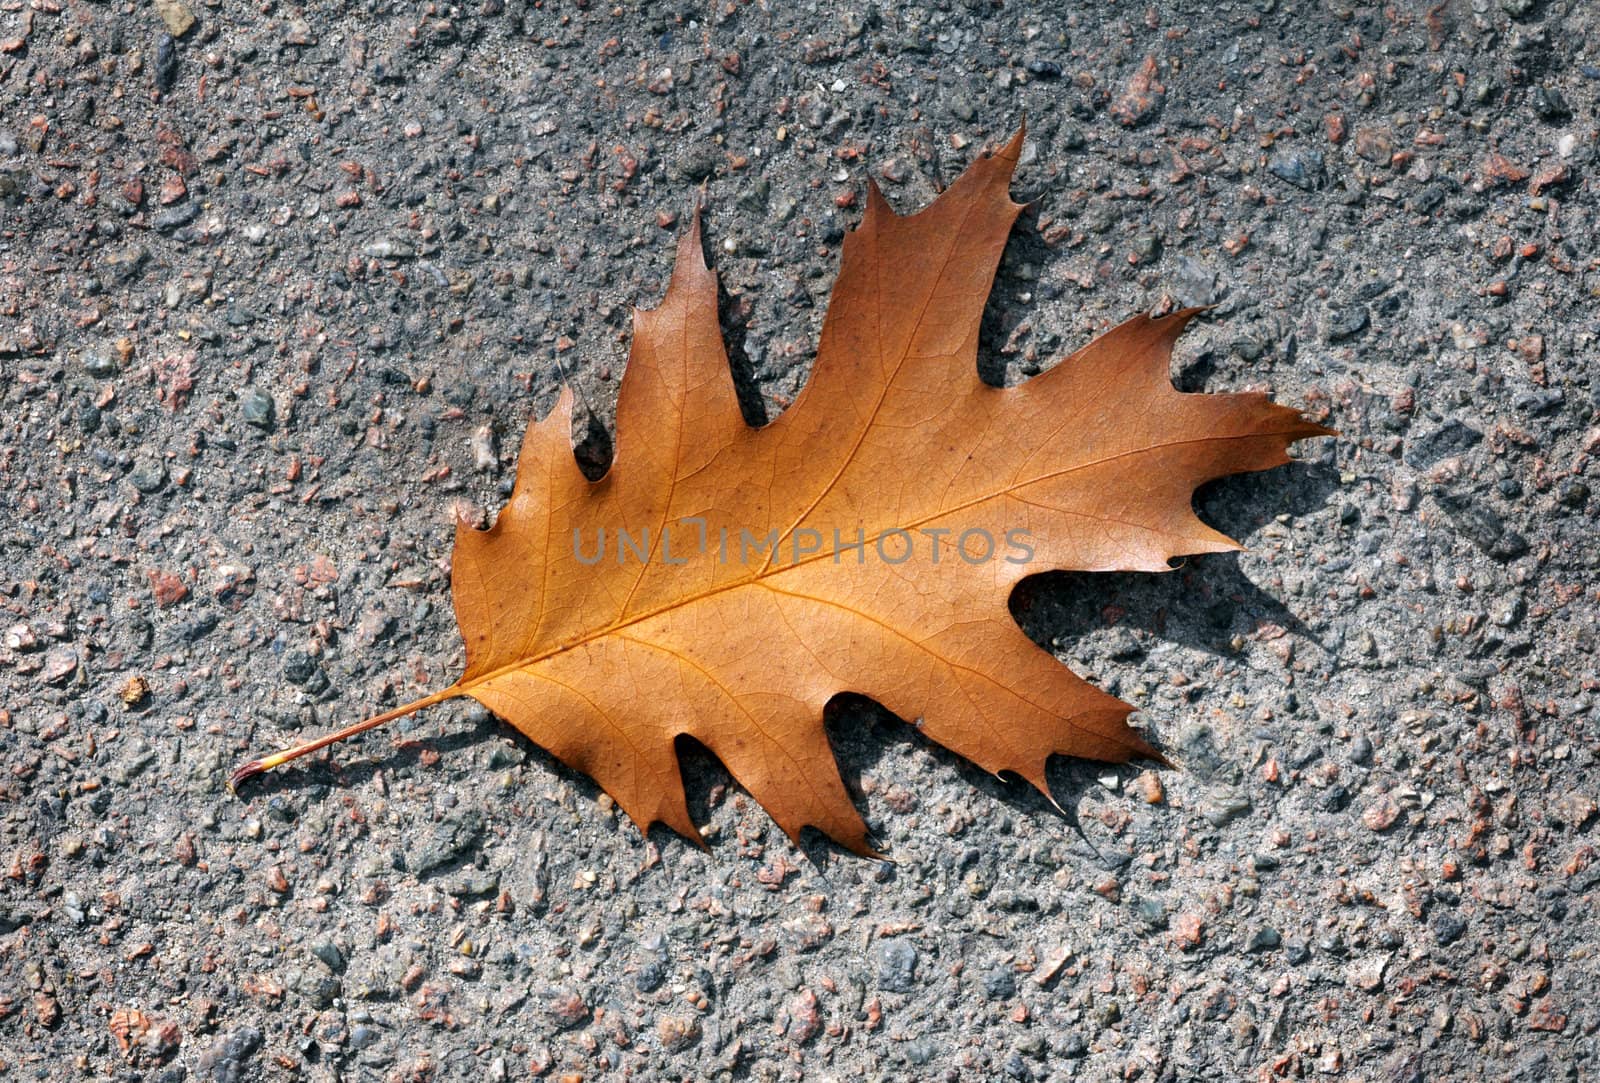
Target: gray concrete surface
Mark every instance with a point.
(279, 292)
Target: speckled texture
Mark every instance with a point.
(277, 297)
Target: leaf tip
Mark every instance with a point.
(999, 166)
(675, 819)
(691, 251)
(877, 205)
(861, 846)
(1181, 319)
(1140, 749)
(1037, 776)
(1012, 151)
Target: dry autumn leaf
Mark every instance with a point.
(724, 582)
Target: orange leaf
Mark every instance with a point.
(712, 584)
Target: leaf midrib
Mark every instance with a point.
(768, 572)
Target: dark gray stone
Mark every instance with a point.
(1346, 323)
(165, 67)
(450, 841)
(173, 217)
(1451, 438)
(123, 266)
(1550, 104)
(1428, 200)
(1448, 926)
(298, 666)
(1000, 984)
(897, 966)
(1266, 938)
(258, 409)
(226, 1060)
(99, 364)
(148, 475)
(328, 953)
(1305, 169)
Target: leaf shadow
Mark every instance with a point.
(592, 445)
(1012, 306)
(1206, 600)
(1240, 504)
(861, 733)
(746, 385)
(864, 734)
(706, 783)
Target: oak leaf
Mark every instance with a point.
(693, 621)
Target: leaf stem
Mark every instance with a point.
(266, 763)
